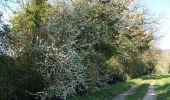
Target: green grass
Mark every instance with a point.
(109, 92)
(163, 87)
(139, 93)
(160, 82)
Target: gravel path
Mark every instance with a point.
(151, 94)
(124, 95)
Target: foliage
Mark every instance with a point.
(74, 48)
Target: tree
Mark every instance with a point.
(75, 48)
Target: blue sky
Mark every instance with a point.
(161, 9)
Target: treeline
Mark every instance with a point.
(163, 63)
(73, 47)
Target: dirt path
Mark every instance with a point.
(124, 95)
(151, 94)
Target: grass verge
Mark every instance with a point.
(139, 93)
(163, 87)
(109, 92)
(162, 83)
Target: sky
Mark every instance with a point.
(161, 9)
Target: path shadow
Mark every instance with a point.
(155, 77)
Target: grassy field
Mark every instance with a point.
(162, 85)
